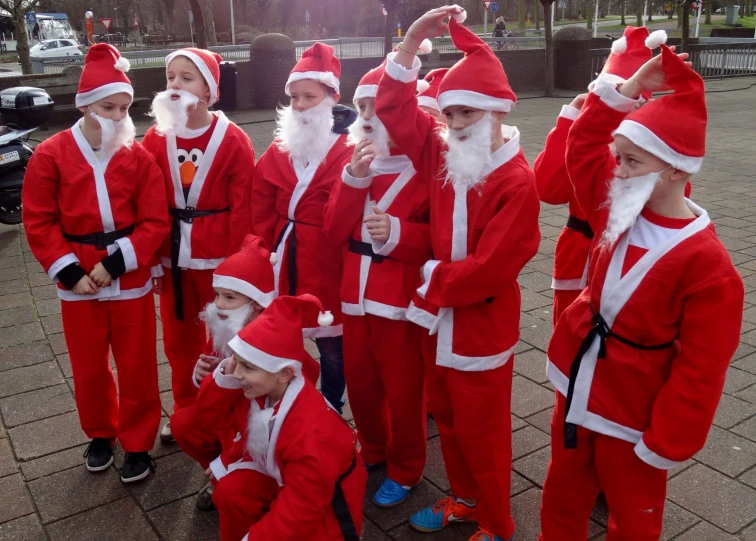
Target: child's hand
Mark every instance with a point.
(205, 366)
(579, 100)
(361, 159)
(429, 26)
(649, 78)
(378, 225)
(210, 476)
(157, 285)
(100, 276)
(230, 366)
(85, 286)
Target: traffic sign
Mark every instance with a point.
(486, 3)
(383, 11)
(31, 17)
(494, 7)
(106, 22)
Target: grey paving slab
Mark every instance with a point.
(179, 476)
(54, 463)
(47, 436)
(29, 378)
(17, 316)
(25, 355)
(706, 532)
(26, 528)
(529, 398)
(19, 334)
(35, 405)
(14, 499)
(121, 520)
(8, 464)
(181, 521)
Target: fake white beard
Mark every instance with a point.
(258, 433)
(626, 199)
(223, 330)
(305, 135)
(171, 115)
(378, 137)
(468, 162)
(115, 135)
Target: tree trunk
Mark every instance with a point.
(639, 12)
(168, 18)
(522, 11)
(679, 9)
(622, 11)
(650, 8)
(199, 24)
(388, 44)
(22, 40)
(549, 49)
(685, 26)
(589, 7)
(207, 13)
(536, 9)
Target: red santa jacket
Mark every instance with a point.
(223, 180)
(684, 290)
(287, 210)
(481, 237)
(554, 188)
(311, 449)
(381, 285)
(68, 190)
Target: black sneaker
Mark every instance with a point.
(99, 455)
(136, 466)
(205, 498)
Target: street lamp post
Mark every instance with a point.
(233, 30)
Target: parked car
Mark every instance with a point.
(55, 47)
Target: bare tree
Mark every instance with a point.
(199, 23)
(390, 6)
(709, 7)
(18, 9)
(639, 12)
(623, 3)
(207, 14)
(650, 8)
(549, 46)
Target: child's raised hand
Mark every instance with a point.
(230, 366)
(85, 286)
(649, 78)
(579, 100)
(429, 26)
(363, 156)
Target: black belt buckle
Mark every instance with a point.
(100, 241)
(188, 215)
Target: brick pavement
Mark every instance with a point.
(45, 492)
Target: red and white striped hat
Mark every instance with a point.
(208, 64)
(104, 74)
(318, 63)
(249, 272)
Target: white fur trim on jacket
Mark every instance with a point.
(60, 264)
(653, 459)
(400, 73)
(569, 112)
(608, 93)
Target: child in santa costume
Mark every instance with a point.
(292, 471)
(427, 93)
(570, 275)
(379, 213)
(293, 181)
(639, 359)
(208, 163)
(484, 229)
(94, 213)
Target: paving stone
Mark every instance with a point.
(371, 532)
(52, 324)
(532, 365)
(15, 273)
(527, 440)
(724, 502)
(530, 300)
(24, 355)
(45, 308)
(538, 336)
(519, 484)
(738, 380)
(58, 343)
(164, 377)
(13, 286)
(64, 362)
(435, 470)
(72, 491)
(517, 423)
(432, 428)
(36, 405)
(705, 532)
(727, 452)
(742, 351)
(14, 500)
(176, 476)
(542, 420)
(121, 520)
(732, 411)
(535, 281)
(54, 463)
(534, 466)
(748, 394)
(18, 334)
(529, 398)
(676, 520)
(161, 358)
(422, 496)
(29, 378)
(47, 436)
(17, 316)
(33, 267)
(7, 462)
(15, 300)
(43, 293)
(181, 520)
(456, 532)
(38, 279)
(526, 512)
(25, 528)
(166, 399)
(749, 534)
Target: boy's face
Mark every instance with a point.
(432, 112)
(182, 74)
(633, 161)
(226, 299)
(459, 117)
(115, 107)
(306, 94)
(366, 108)
(257, 382)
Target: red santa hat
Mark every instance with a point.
(319, 64)
(368, 85)
(104, 74)
(427, 88)
(478, 80)
(249, 272)
(630, 52)
(208, 64)
(672, 127)
(274, 339)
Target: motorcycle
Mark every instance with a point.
(23, 110)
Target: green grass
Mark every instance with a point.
(745, 22)
(514, 25)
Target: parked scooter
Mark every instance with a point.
(23, 110)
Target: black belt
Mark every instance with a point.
(291, 253)
(100, 240)
(186, 215)
(601, 329)
(581, 226)
(366, 249)
(341, 509)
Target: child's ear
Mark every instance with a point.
(287, 374)
(679, 176)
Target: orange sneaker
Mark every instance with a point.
(483, 535)
(441, 514)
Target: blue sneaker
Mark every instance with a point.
(390, 494)
(483, 535)
(441, 514)
(375, 466)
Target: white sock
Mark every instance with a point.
(468, 503)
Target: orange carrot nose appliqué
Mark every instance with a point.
(187, 171)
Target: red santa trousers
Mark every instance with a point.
(184, 340)
(634, 491)
(202, 446)
(472, 412)
(127, 327)
(562, 299)
(242, 498)
(384, 372)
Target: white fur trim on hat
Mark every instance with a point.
(325, 319)
(426, 46)
(461, 16)
(608, 78)
(365, 91)
(326, 77)
(422, 85)
(273, 258)
(650, 142)
(266, 361)
(475, 100)
(123, 64)
(427, 101)
(101, 92)
(619, 46)
(245, 288)
(656, 39)
(201, 66)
